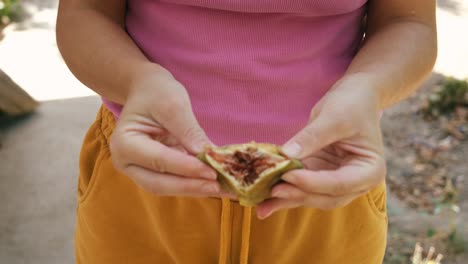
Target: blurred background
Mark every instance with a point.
(45, 111)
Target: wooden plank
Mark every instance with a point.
(13, 99)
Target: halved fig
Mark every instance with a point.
(249, 170)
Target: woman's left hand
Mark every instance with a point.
(341, 149)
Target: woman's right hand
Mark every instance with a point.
(156, 137)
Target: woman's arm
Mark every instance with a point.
(92, 39)
(400, 48)
(99, 52)
(341, 147)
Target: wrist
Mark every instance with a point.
(145, 77)
(363, 85)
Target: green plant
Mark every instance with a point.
(6, 8)
(452, 94)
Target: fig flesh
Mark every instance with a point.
(249, 170)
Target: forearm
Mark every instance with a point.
(395, 59)
(100, 53)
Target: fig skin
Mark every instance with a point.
(260, 190)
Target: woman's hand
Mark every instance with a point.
(341, 149)
(155, 136)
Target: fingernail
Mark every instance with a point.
(260, 216)
(265, 216)
(199, 147)
(210, 175)
(279, 194)
(211, 188)
(289, 177)
(292, 149)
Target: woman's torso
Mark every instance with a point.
(253, 69)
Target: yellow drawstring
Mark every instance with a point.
(245, 242)
(225, 230)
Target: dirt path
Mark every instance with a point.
(417, 172)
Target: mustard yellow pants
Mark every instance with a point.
(117, 222)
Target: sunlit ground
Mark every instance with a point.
(29, 54)
(452, 25)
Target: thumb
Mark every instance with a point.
(183, 125)
(318, 134)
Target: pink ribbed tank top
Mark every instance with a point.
(253, 68)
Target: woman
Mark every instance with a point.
(180, 74)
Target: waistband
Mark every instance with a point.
(107, 122)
